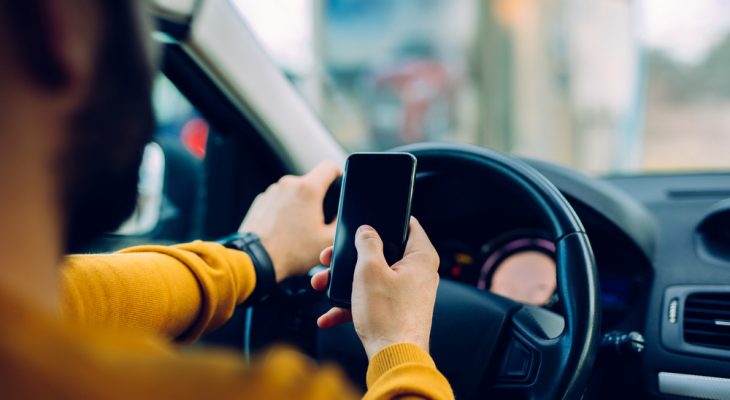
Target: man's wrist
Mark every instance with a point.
(276, 260)
(250, 243)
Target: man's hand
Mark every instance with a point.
(289, 219)
(389, 304)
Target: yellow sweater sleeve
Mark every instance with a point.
(178, 292)
(405, 371)
(183, 291)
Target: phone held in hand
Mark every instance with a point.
(376, 191)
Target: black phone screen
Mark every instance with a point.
(376, 191)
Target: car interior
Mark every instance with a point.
(555, 282)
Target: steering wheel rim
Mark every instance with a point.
(493, 329)
(572, 353)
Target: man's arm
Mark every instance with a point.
(177, 292)
(183, 291)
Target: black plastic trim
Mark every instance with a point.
(713, 234)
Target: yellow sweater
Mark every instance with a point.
(123, 310)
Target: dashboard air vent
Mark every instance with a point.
(707, 319)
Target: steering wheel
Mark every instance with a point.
(484, 343)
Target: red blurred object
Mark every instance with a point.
(194, 136)
(456, 271)
(420, 85)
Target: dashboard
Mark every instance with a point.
(687, 353)
(662, 248)
(492, 243)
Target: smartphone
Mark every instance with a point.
(376, 190)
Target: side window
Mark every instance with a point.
(177, 119)
(171, 178)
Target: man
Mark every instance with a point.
(75, 115)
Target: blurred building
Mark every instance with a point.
(600, 85)
(523, 76)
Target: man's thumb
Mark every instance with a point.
(369, 245)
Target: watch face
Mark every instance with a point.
(239, 240)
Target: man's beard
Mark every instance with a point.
(100, 167)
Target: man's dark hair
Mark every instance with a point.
(99, 169)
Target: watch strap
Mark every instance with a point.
(250, 243)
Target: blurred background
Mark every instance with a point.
(606, 86)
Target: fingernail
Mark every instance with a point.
(363, 229)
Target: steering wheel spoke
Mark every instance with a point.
(532, 346)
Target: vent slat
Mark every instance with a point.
(706, 313)
(702, 311)
(708, 303)
(702, 332)
(703, 322)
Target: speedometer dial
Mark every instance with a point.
(522, 269)
(526, 277)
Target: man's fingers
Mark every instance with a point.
(320, 280)
(325, 257)
(323, 175)
(334, 317)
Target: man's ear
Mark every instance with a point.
(57, 40)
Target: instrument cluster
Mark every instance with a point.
(520, 265)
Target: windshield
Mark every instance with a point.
(605, 86)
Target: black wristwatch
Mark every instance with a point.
(250, 243)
